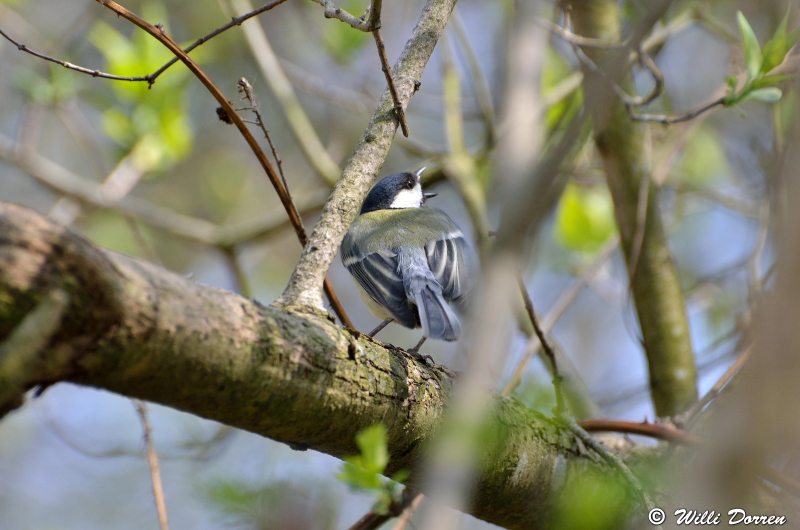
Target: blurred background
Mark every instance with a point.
(153, 173)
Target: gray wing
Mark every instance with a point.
(377, 274)
(452, 263)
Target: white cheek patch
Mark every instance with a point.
(408, 198)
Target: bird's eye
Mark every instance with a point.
(409, 184)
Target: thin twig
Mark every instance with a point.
(387, 71)
(717, 388)
(159, 34)
(631, 102)
(247, 89)
(662, 431)
(235, 21)
(561, 407)
(152, 457)
(669, 120)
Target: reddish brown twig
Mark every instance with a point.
(670, 433)
(662, 431)
(155, 470)
(294, 216)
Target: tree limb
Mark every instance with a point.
(135, 329)
(654, 281)
(365, 162)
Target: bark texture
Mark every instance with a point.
(654, 280)
(138, 330)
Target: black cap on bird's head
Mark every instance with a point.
(402, 190)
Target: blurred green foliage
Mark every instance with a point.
(536, 392)
(592, 501)
(585, 218)
(363, 472)
(341, 40)
(703, 160)
(150, 124)
(59, 86)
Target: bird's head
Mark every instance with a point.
(402, 190)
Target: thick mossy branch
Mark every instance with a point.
(138, 330)
(654, 280)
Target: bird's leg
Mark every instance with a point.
(415, 350)
(380, 327)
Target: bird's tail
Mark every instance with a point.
(437, 319)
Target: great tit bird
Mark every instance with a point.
(409, 260)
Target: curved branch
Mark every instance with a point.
(133, 328)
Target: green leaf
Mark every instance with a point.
(767, 95)
(752, 52)
(780, 44)
(372, 442)
(363, 471)
(767, 80)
